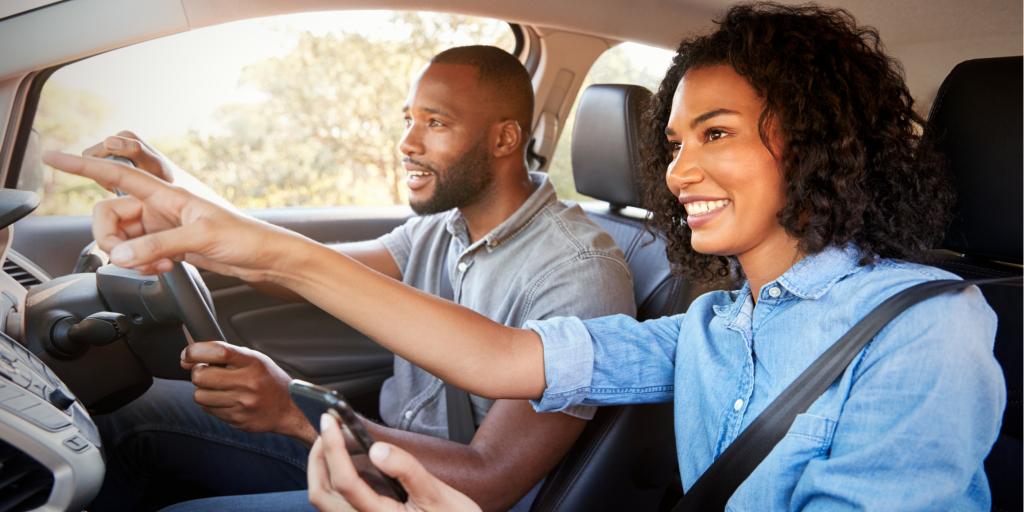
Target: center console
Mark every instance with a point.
(50, 457)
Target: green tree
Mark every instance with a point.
(63, 116)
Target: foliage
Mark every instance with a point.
(62, 116)
(326, 133)
(324, 125)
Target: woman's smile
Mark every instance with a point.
(701, 210)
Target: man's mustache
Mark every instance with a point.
(417, 163)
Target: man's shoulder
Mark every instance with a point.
(573, 234)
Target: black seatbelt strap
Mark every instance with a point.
(714, 488)
(461, 422)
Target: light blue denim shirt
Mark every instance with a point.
(906, 427)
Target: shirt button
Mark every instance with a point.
(737, 405)
(462, 266)
(408, 415)
(774, 292)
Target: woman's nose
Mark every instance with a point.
(682, 172)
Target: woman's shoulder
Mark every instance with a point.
(949, 323)
(884, 277)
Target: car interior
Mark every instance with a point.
(81, 339)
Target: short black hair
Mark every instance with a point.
(853, 162)
(502, 72)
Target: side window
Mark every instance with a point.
(295, 110)
(627, 63)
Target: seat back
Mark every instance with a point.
(625, 458)
(976, 123)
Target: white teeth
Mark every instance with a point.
(703, 207)
(418, 174)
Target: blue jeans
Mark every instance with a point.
(163, 448)
(292, 501)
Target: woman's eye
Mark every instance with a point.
(675, 147)
(713, 134)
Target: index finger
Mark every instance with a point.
(107, 173)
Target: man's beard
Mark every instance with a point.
(461, 184)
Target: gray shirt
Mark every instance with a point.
(546, 260)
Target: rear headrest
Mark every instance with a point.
(976, 123)
(606, 143)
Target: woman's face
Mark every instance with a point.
(728, 181)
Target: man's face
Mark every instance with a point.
(446, 144)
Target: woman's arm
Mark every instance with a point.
(159, 222)
(454, 343)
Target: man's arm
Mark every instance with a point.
(512, 450)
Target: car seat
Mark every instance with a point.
(975, 122)
(625, 458)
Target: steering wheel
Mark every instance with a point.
(192, 309)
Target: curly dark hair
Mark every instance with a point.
(854, 167)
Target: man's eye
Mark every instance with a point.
(434, 123)
(408, 122)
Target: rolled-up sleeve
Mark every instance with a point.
(606, 361)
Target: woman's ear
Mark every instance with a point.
(509, 138)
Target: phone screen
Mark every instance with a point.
(315, 400)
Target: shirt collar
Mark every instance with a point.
(815, 274)
(543, 196)
(810, 278)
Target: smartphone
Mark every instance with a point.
(315, 400)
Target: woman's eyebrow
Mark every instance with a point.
(708, 115)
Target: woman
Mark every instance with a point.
(793, 165)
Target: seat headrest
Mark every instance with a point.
(606, 143)
(976, 123)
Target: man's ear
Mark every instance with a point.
(509, 139)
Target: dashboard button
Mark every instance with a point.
(19, 379)
(19, 403)
(76, 443)
(38, 388)
(45, 417)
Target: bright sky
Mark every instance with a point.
(193, 73)
(167, 86)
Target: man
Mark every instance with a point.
(497, 233)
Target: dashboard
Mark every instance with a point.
(50, 451)
(84, 343)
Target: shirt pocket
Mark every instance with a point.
(770, 486)
(810, 434)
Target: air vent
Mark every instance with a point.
(20, 274)
(23, 270)
(26, 483)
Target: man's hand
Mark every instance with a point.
(158, 222)
(245, 388)
(129, 145)
(335, 486)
